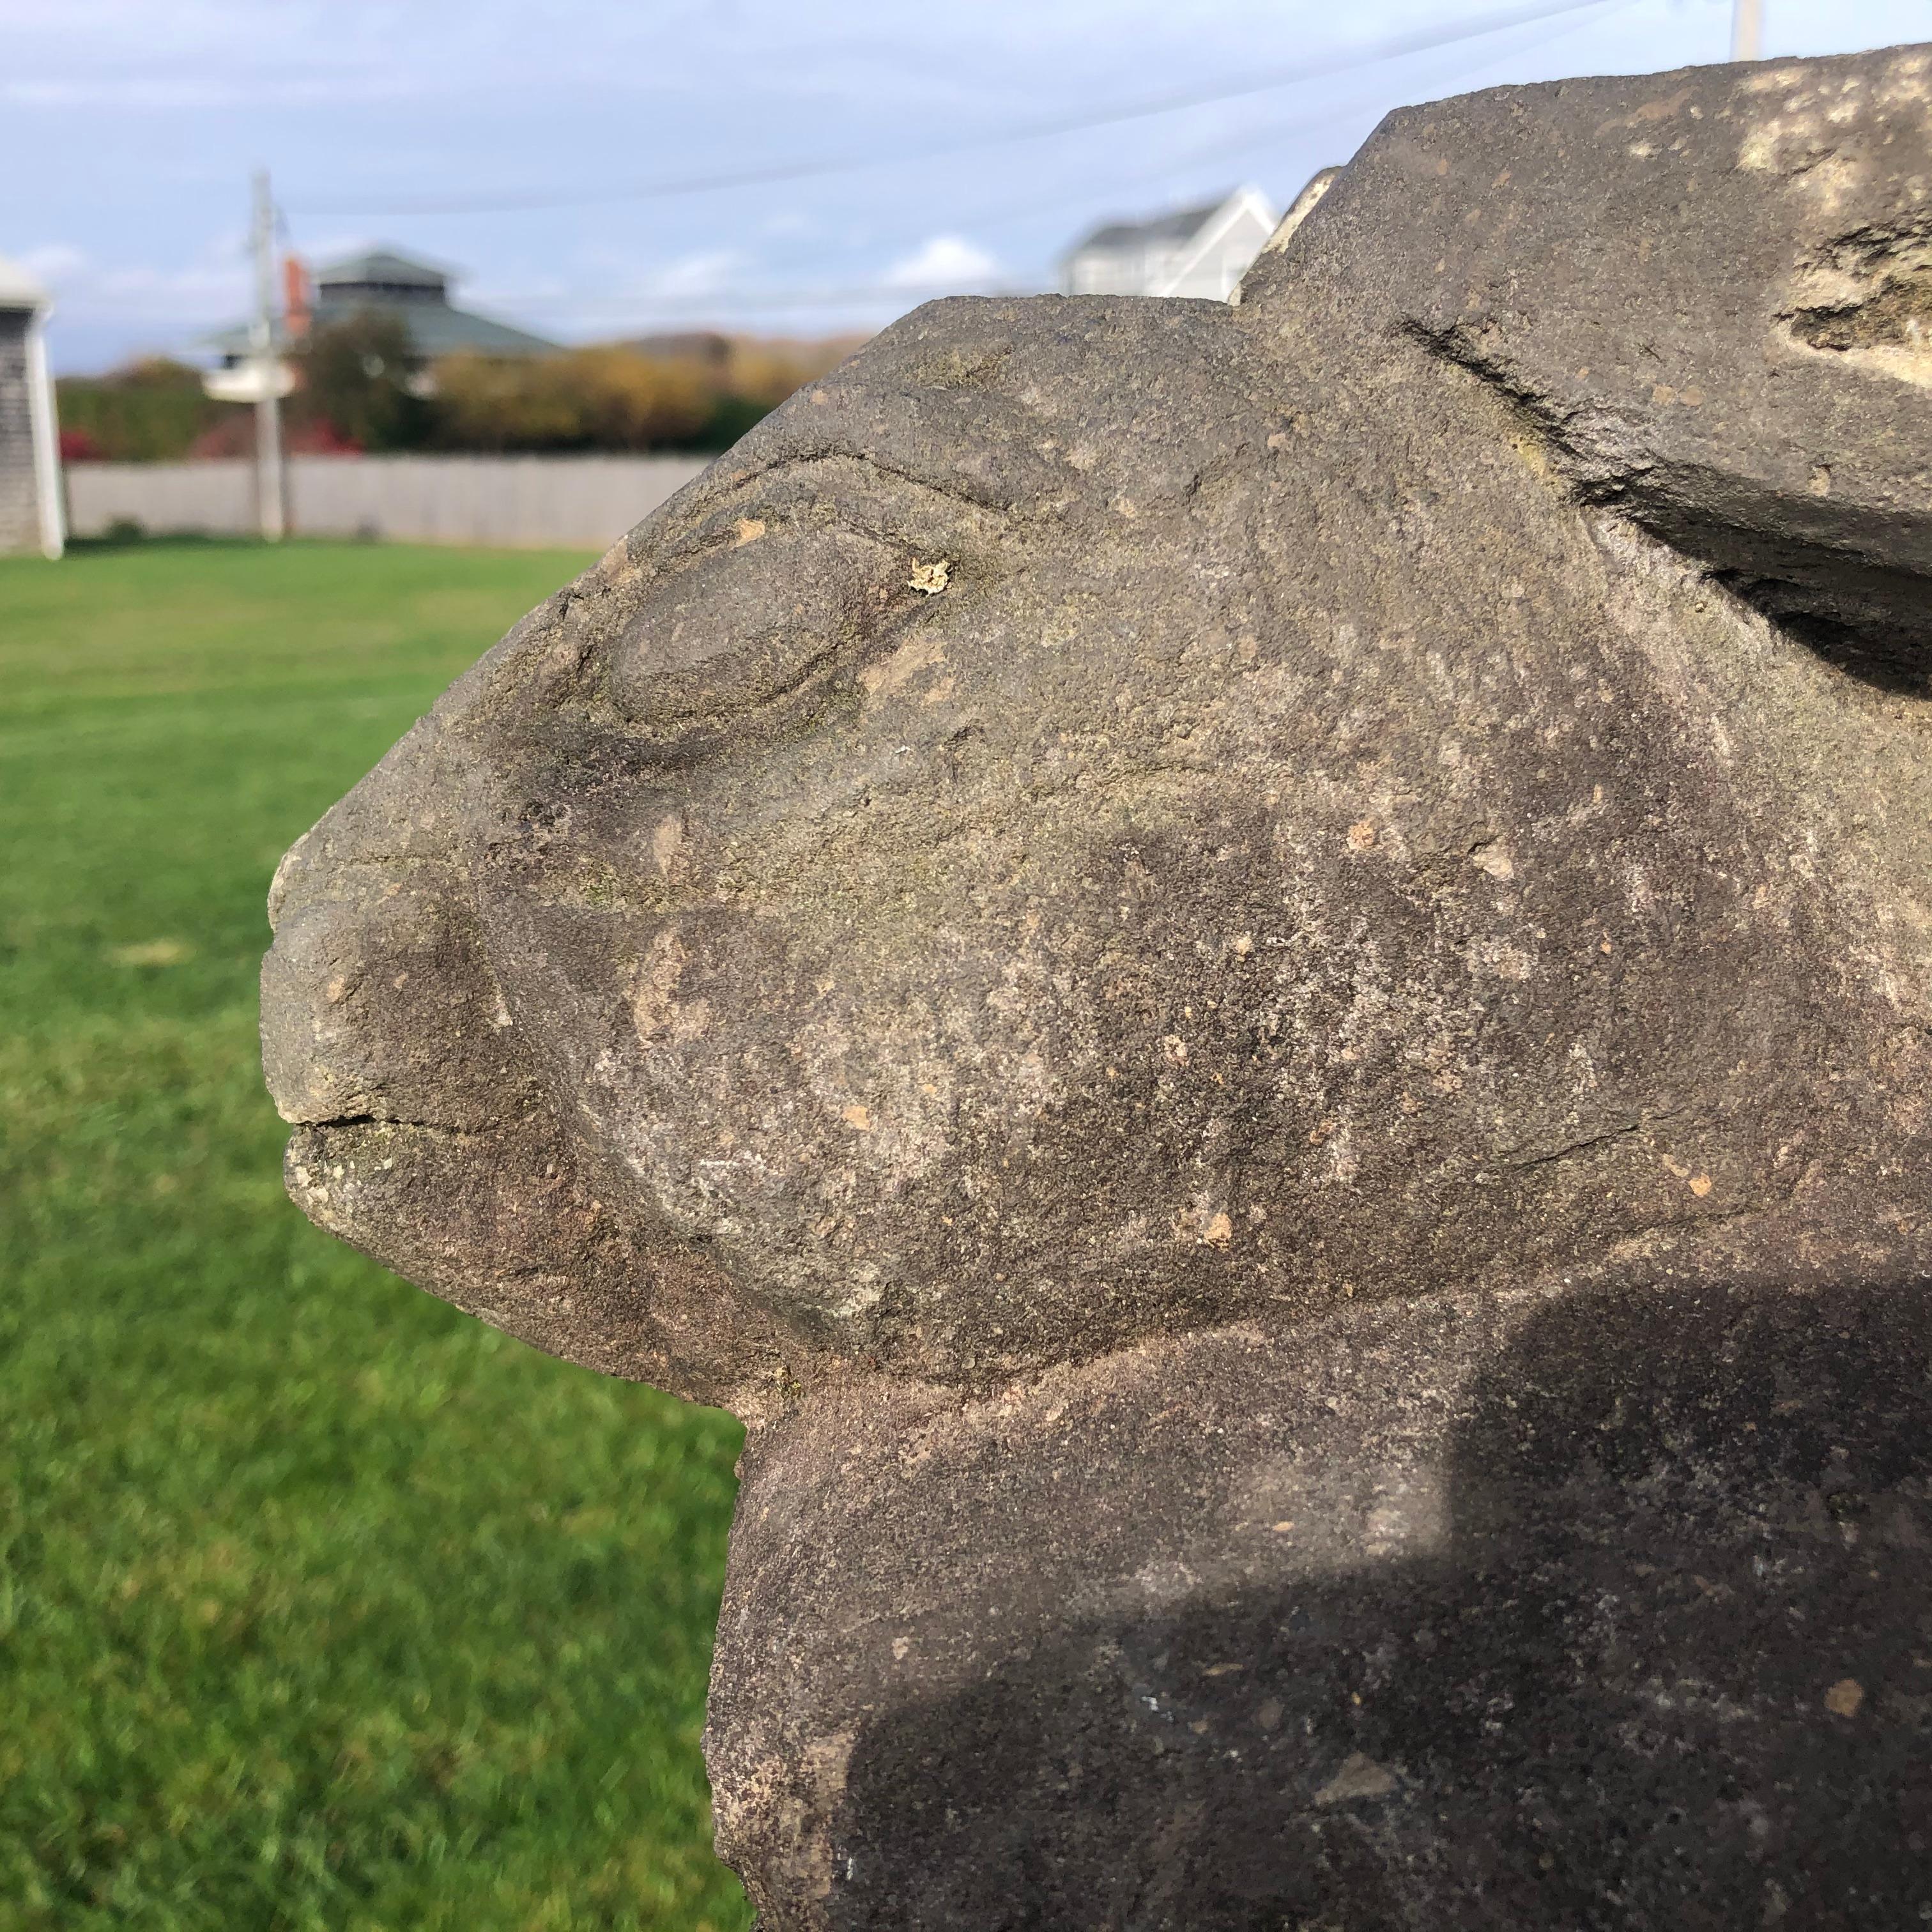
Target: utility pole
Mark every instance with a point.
(268, 508)
(1747, 25)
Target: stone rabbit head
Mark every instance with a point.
(1103, 817)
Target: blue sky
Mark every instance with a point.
(127, 128)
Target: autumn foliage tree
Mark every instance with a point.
(609, 398)
(617, 397)
(357, 380)
(149, 411)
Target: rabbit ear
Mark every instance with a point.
(1708, 293)
(1299, 210)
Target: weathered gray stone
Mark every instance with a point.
(1258, 981)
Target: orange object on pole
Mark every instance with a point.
(297, 301)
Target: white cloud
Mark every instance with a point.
(942, 262)
(202, 293)
(704, 274)
(55, 262)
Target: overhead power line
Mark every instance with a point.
(639, 303)
(1393, 47)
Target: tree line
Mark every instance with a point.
(359, 388)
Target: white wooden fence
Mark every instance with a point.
(586, 501)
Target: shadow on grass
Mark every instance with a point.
(126, 535)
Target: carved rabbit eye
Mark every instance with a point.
(750, 622)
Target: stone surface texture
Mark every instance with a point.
(1258, 980)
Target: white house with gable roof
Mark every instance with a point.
(1200, 251)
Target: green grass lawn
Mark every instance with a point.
(320, 1604)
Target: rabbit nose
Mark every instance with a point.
(377, 1004)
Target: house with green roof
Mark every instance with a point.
(385, 282)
